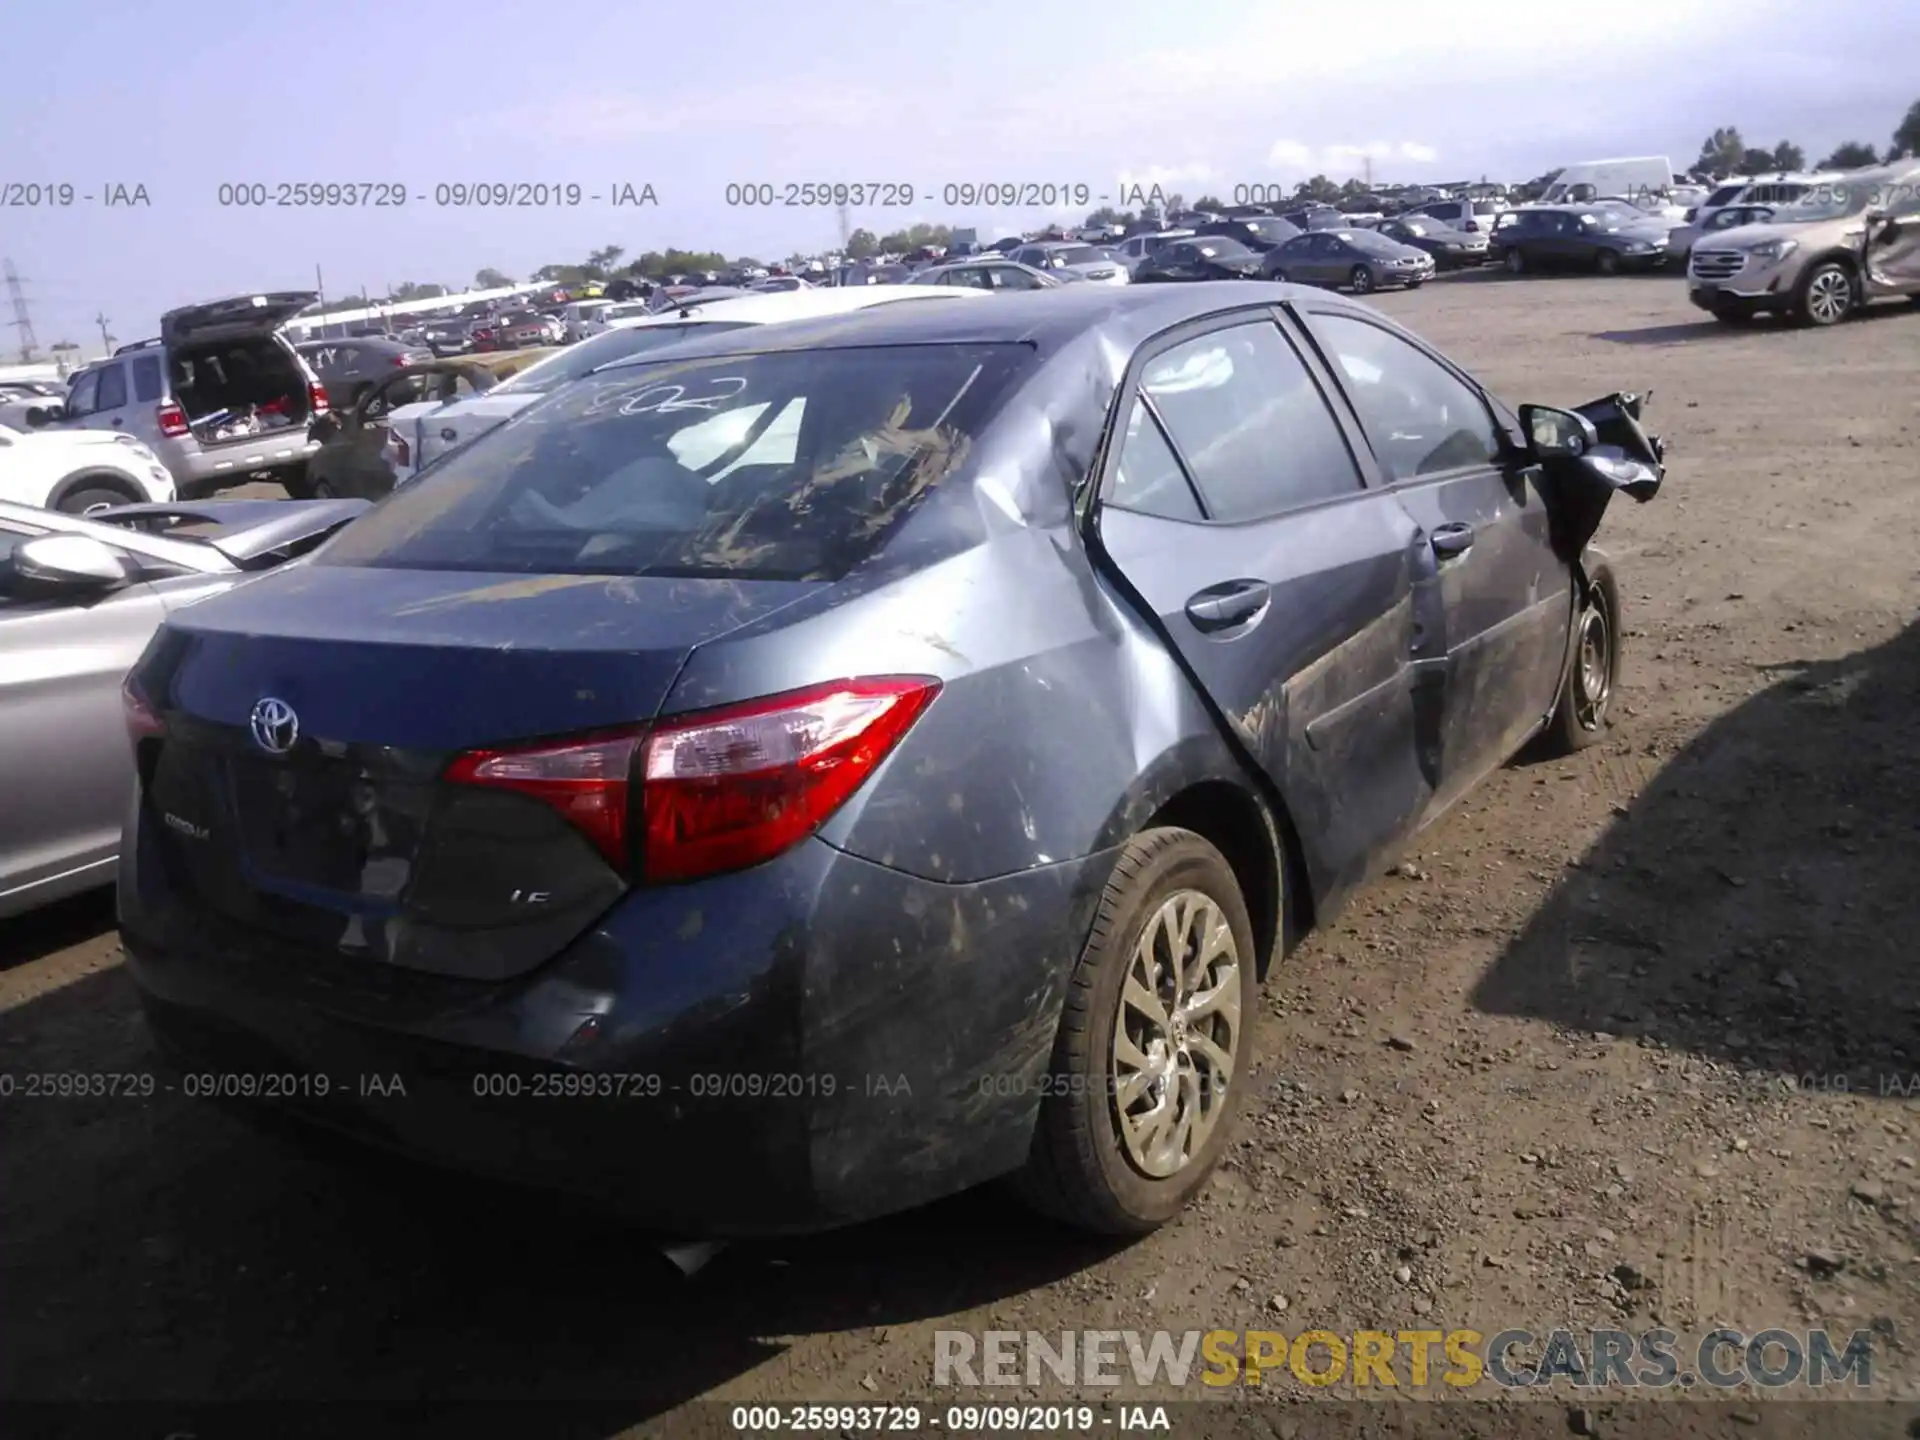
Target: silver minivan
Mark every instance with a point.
(220, 395)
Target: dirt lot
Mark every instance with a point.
(1632, 1039)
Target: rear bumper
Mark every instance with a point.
(200, 470)
(803, 1045)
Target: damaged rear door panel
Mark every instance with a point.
(1233, 511)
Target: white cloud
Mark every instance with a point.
(1296, 156)
(1166, 176)
(589, 118)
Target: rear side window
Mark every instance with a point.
(794, 465)
(146, 379)
(1147, 476)
(80, 398)
(1245, 414)
(113, 388)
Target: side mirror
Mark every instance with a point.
(1554, 434)
(56, 565)
(1620, 471)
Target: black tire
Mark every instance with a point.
(1280, 277)
(1360, 280)
(360, 392)
(1515, 261)
(1079, 1169)
(1585, 708)
(1607, 262)
(319, 487)
(92, 497)
(1810, 300)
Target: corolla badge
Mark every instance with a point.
(275, 727)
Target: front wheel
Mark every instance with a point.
(1361, 280)
(1826, 296)
(1585, 710)
(1148, 1066)
(1606, 262)
(1515, 262)
(91, 499)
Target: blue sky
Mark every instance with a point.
(1200, 96)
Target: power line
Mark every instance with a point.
(22, 322)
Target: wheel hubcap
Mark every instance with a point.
(1177, 1033)
(1828, 296)
(1595, 672)
(1362, 281)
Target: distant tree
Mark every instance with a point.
(412, 291)
(1176, 201)
(1210, 202)
(1722, 151)
(491, 279)
(1755, 162)
(1318, 189)
(603, 260)
(861, 244)
(1906, 139)
(747, 262)
(1107, 215)
(1853, 155)
(1789, 156)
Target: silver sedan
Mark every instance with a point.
(80, 597)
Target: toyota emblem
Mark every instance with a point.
(275, 727)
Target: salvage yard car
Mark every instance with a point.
(220, 395)
(80, 597)
(1820, 258)
(1359, 260)
(78, 471)
(1577, 237)
(891, 745)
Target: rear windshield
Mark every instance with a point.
(793, 465)
(588, 356)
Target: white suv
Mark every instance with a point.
(80, 471)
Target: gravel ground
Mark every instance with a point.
(1633, 1039)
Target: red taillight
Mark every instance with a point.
(173, 420)
(585, 780)
(402, 453)
(733, 787)
(143, 721)
(317, 402)
(720, 789)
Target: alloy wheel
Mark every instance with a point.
(1176, 1034)
(1829, 296)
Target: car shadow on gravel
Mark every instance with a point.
(1756, 904)
(1685, 332)
(162, 1249)
(64, 923)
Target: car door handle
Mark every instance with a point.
(1450, 542)
(1221, 607)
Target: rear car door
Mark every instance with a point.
(1233, 508)
(1505, 596)
(112, 401)
(66, 770)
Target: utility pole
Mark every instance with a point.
(320, 287)
(105, 338)
(1369, 165)
(21, 322)
(846, 228)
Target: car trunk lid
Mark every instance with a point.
(299, 789)
(240, 315)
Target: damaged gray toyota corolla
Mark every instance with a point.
(805, 773)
